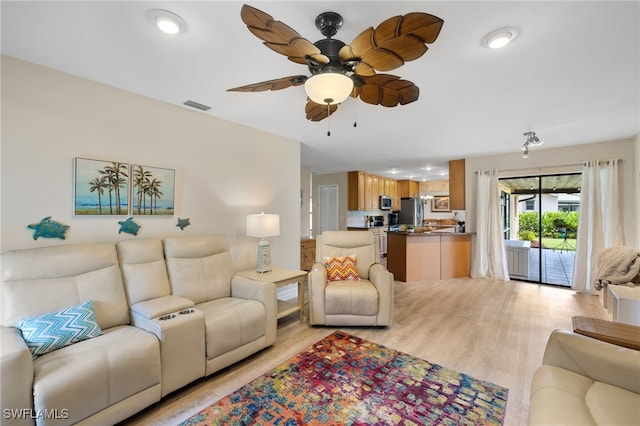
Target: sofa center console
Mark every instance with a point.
(181, 331)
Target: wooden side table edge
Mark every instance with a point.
(621, 334)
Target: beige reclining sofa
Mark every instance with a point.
(169, 311)
(584, 381)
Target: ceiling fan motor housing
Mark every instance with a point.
(330, 48)
(329, 23)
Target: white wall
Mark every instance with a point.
(636, 149)
(305, 201)
(224, 171)
(559, 160)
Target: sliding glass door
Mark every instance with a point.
(540, 219)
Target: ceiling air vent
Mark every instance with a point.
(196, 105)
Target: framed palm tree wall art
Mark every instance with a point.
(101, 187)
(152, 191)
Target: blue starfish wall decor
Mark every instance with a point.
(183, 223)
(129, 226)
(48, 228)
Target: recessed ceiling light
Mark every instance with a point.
(500, 38)
(168, 22)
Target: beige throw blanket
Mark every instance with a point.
(618, 266)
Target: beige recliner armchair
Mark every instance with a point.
(368, 301)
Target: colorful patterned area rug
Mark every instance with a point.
(346, 380)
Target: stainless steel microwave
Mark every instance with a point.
(385, 202)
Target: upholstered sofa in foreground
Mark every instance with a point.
(584, 381)
(168, 311)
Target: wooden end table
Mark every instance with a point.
(281, 277)
(618, 333)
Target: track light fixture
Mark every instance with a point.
(531, 141)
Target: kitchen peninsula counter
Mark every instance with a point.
(428, 255)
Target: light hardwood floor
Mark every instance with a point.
(491, 330)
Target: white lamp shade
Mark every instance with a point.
(263, 225)
(328, 88)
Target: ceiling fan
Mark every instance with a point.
(339, 70)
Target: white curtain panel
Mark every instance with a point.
(489, 258)
(599, 224)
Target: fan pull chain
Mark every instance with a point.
(355, 116)
(328, 120)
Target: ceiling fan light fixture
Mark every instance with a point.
(500, 38)
(168, 22)
(328, 88)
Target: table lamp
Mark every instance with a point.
(263, 226)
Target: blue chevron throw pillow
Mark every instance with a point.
(56, 330)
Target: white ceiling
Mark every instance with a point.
(572, 75)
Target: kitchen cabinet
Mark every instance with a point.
(408, 188)
(307, 253)
(374, 204)
(391, 190)
(455, 256)
(414, 257)
(428, 256)
(357, 183)
(365, 190)
(457, 184)
(393, 193)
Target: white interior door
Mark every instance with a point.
(328, 208)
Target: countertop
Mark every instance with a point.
(383, 227)
(430, 233)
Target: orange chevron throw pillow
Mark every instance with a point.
(342, 268)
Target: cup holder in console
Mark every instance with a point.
(186, 311)
(167, 317)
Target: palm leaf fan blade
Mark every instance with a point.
(297, 50)
(280, 37)
(395, 41)
(317, 112)
(382, 60)
(276, 84)
(406, 48)
(386, 31)
(360, 45)
(253, 17)
(422, 25)
(388, 90)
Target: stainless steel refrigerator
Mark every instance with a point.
(411, 211)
